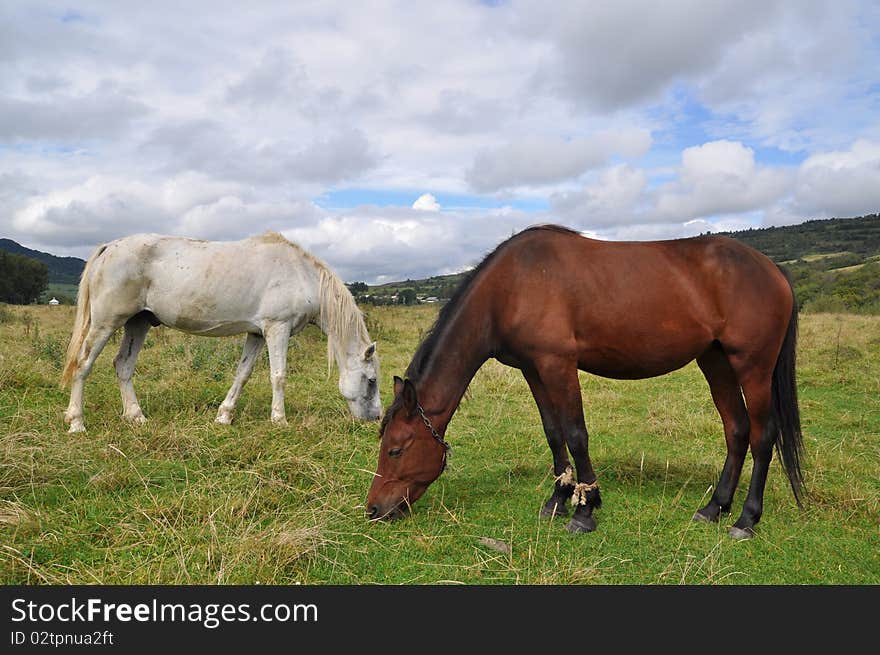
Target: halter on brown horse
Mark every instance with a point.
(549, 302)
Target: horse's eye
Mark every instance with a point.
(395, 452)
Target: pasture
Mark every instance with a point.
(182, 500)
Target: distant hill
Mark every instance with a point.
(62, 270)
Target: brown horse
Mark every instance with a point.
(549, 301)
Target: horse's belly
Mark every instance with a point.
(643, 358)
(226, 329)
(207, 327)
(627, 369)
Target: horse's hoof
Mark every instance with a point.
(280, 422)
(137, 419)
(553, 510)
(699, 517)
(576, 525)
(76, 426)
(741, 533)
(224, 419)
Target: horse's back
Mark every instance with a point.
(630, 309)
(700, 271)
(206, 287)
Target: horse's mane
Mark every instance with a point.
(423, 353)
(340, 316)
(420, 360)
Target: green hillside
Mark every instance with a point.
(859, 236)
(62, 270)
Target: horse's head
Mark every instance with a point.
(358, 383)
(411, 456)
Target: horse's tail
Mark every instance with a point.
(83, 320)
(786, 415)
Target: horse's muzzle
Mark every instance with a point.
(379, 513)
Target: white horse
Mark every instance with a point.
(264, 286)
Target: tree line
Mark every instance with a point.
(22, 279)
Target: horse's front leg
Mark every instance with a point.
(560, 379)
(253, 344)
(277, 335)
(564, 477)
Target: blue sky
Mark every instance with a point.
(397, 139)
(351, 198)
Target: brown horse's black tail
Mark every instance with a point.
(786, 415)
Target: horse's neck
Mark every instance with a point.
(459, 353)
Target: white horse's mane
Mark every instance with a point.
(340, 316)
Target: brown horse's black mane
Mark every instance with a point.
(423, 353)
(420, 360)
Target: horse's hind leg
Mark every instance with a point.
(136, 329)
(253, 344)
(727, 395)
(93, 344)
(756, 387)
(564, 484)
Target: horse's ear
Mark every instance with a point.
(398, 386)
(410, 401)
(370, 351)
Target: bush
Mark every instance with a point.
(22, 279)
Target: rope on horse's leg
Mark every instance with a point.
(581, 490)
(566, 478)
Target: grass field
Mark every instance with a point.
(184, 500)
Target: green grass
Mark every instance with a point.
(183, 500)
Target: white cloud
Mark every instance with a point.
(104, 208)
(720, 177)
(100, 209)
(839, 183)
(372, 243)
(206, 146)
(535, 161)
(613, 198)
(631, 118)
(426, 202)
(231, 217)
(609, 56)
(714, 179)
(104, 112)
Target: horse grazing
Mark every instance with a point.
(264, 286)
(549, 301)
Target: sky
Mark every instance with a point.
(406, 139)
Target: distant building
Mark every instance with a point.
(54, 301)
